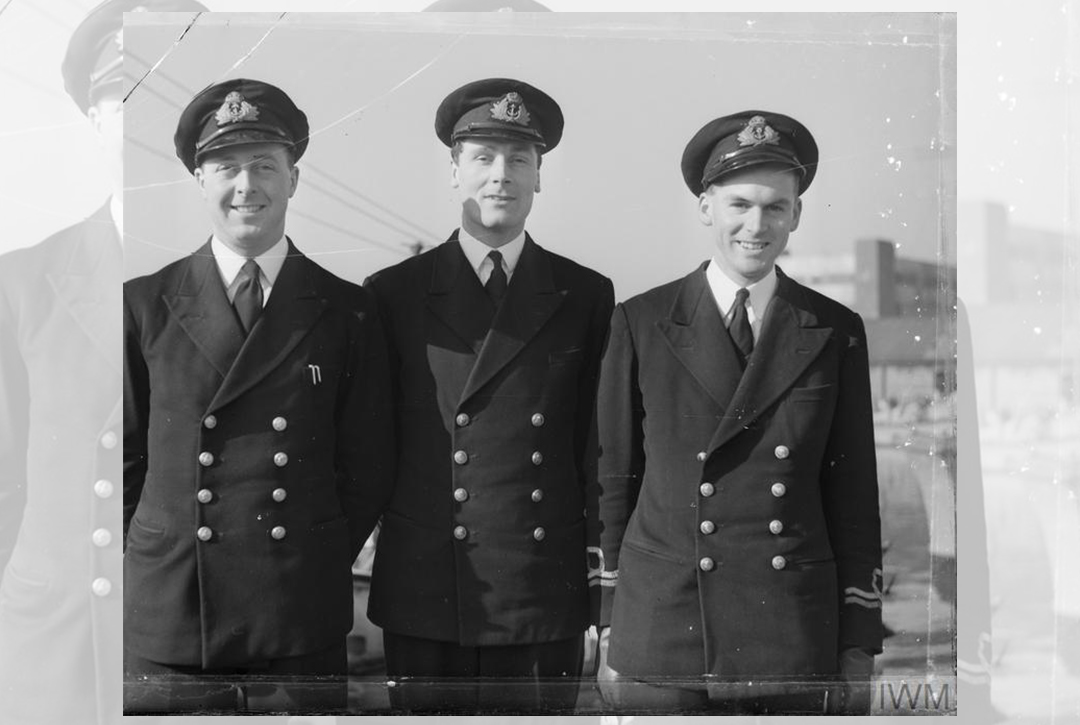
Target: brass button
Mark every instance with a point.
(537, 496)
(707, 527)
(101, 587)
(461, 458)
(278, 532)
(460, 532)
(782, 452)
(537, 420)
(206, 458)
(778, 562)
(210, 422)
(778, 489)
(707, 489)
(103, 488)
(539, 533)
(776, 526)
(707, 564)
(461, 495)
(205, 533)
(101, 538)
(279, 494)
(280, 459)
(204, 495)
(702, 455)
(279, 424)
(462, 420)
(537, 458)
(109, 440)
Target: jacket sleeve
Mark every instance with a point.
(620, 460)
(365, 446)
(136, 415)
(14, 423)
(585, 440)
(850, 498)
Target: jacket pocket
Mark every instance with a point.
(638, 549)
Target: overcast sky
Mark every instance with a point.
(633, 89)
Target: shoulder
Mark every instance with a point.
(653, 302)
(828, 310)
(567, 270)
(405, 273)
(23, 267)
(153, 283)
(339, 292)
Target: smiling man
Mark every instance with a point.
(480, 570)
(256, 432)
(738, 487)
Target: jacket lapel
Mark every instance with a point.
(89, 287)
(531, 300)
(696, 334)
(292, 310)
(790, 341)
(202, 310)
(456, 296)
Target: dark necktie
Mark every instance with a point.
(249, 295)
(739, 329)
(496, 284)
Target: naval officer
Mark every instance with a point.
(481, 566)
(256, 417)
(739, 504)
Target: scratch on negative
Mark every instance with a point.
(6, 6)
(255, 47)
(161, 60)
(390, 92)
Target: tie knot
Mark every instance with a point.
(742, 295)
(250, 270)
(495, 256)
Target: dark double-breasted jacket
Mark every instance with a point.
(739, 510)
(254, 467)
(60, 563)
(484, 541)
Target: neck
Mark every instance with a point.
(493, 238)
(249, 248)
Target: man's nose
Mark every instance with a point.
(498, 168)
(754, 220)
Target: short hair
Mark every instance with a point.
(455, 153)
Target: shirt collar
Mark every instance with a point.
(229, 262)
(724, 289)
(476, 251)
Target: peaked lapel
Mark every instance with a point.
(89, 286)
(790, 341)
(292, 310)
(456, 297)
(697, 336)
(201, 308)
(530, 301)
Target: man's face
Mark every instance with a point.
(247, 190)
(751, 212)
(496, 180)
(107, 118)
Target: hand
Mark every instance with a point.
(606, 678)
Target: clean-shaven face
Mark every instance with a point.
(752, 212)
(496, 180)
(247, 190)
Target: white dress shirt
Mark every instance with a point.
(724, 289)
(477, 254)
(229, 264)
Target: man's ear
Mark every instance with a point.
(705, 202)
(294, 178)
(455, 179)
(200, 177)
(796, 214)
(536, 189)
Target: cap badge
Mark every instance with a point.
(235, 109)
(758, 132)
(511, 108)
